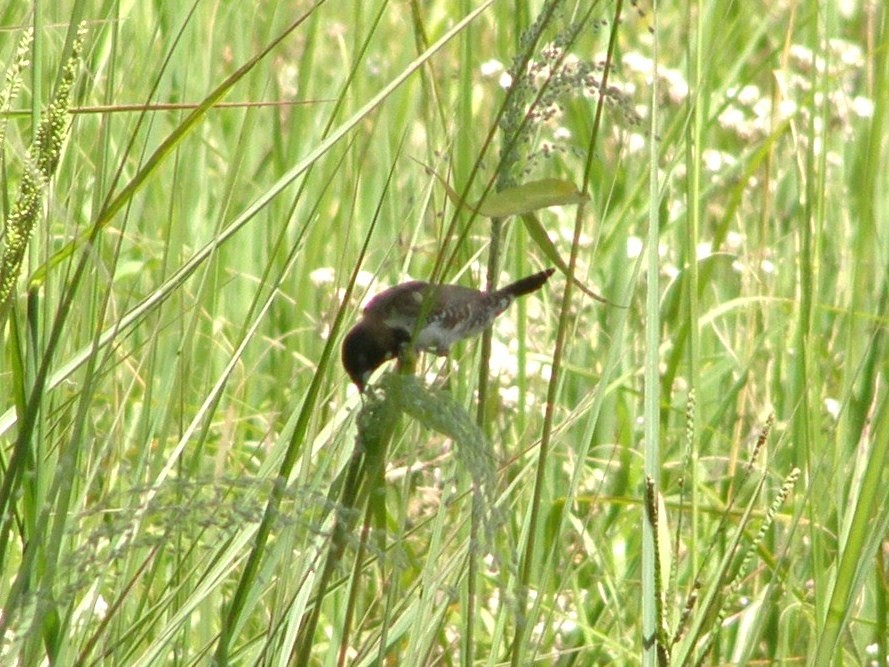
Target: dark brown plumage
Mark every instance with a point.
(449, 314)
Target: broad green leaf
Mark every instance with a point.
(525, 198)
(530, 197)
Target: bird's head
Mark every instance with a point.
(367, 346)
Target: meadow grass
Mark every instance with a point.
(693, 471)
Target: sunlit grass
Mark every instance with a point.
(175, 423)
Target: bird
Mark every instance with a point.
(449, 313)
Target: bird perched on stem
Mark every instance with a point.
(434, 317)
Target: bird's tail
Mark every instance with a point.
(528, 284)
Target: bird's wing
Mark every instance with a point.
(399, 298)
(400, 306)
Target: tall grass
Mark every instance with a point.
(694, 471)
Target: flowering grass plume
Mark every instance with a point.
(40, 163)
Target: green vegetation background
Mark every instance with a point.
(234, 179)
